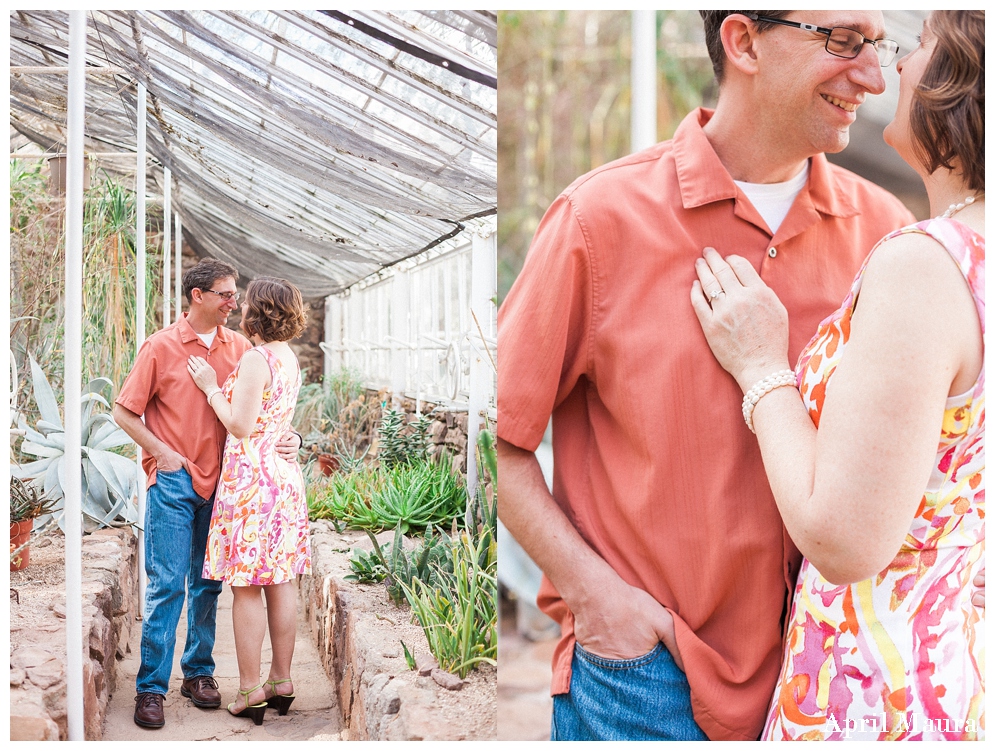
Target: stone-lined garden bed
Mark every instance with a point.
(358, 631)
(38, 632)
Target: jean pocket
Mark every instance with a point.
(612, 664)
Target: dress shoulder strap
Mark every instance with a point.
(269, 357)
(966, 247)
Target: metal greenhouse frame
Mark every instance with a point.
(334, 149)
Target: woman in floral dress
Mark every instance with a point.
(876, 460)
(258, 542)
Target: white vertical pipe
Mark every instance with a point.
(483, 289)
(178, 283)
(140, 220)
(643, 79)
(331, 340)
(417, 326)
(167, 225)
(450, 319)
(348, 311)
(415, 331)
(398, 331)
(140, 317)
(73, 375)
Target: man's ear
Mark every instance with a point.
(739, 37)
(197, 296)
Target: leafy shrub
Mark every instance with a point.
(37, 276)
(367, 567)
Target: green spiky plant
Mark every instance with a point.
(27, 501)
(458, 611)
(108, 479)
(416, 442)
(424, 563)
(334, 411)
(408, 496)
(392, 449)
(459, 614)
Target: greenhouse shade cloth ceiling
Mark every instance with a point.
(317, 146)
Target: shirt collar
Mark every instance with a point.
(187, 334)
(704, 179)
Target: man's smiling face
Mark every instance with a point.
(812, 94)
(219, 307)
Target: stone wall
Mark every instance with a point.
(448, 431)
(37, 669)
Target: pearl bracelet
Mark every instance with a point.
(211, 394)
(761, 388)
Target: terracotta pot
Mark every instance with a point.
(19, 534)
(327, 463)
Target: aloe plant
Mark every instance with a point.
(108, 479)
(408, 496)
(414, 496)
(458, 614)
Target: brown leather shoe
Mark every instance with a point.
(148, 711)
(202, 690)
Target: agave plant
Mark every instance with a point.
(416, 495)
(108, 479)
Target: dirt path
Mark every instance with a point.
(314, 715)
(524, 706)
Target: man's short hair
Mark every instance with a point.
(947, 117)
(274, 310)
(205, 274)
(713, 38)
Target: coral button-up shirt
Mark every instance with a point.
(176, 411)
(652, 461)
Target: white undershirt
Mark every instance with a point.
(773, 200)
(208, 339)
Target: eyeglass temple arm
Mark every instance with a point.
(792, 24)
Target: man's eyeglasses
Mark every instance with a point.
(226, 295)
(840, 41)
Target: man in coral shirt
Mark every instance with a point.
(182, 442)
(665, 560)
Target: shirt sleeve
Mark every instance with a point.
(141, 384)
(545, 327)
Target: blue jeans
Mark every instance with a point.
(645, 698)
(176, 524)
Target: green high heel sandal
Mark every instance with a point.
(256, 712)
(280, 702)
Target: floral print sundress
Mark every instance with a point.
(259, 526)
(899, 656)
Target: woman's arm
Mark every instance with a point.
(848, 491)
(240, 415)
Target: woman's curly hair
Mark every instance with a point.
(274, 310)
(947, 118)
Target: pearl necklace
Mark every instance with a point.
(955, 207)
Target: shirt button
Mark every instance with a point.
(772, 252)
